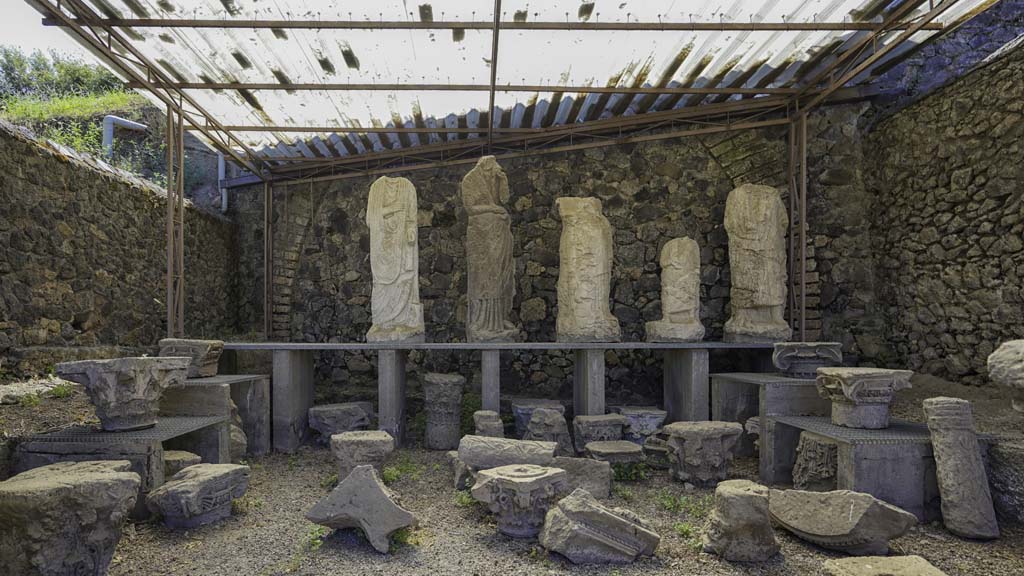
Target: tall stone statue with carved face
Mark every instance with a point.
(394, 261)
(585, 273)
(491, 275)
(756, 222)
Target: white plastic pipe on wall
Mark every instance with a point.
(109, 122)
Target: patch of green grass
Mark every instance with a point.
(623, 492)
(631, 471)
(62, 390)
(402, 468)
(684, 529)
(689, 534)
(692, 506)
(30, 400)
(30, 110)
(330, 482)
(315, 538)
(463, 499)
(406, 537)
(471, 402)
(246, 504)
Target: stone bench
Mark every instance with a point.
(686, 382)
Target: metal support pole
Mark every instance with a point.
(268, 252)
(169, 143)
(793, 193)
(803, 226)
(494, 74)
(180, 239)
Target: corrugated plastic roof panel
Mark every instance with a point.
(549, 58)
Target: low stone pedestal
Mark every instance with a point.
(615, 452)
(488, 423)
(701, 451)
(353, 449)
(64, 518)
(740, 396)
(204, 354)
(442, 395)
(126, 391)
(199, 495)
(177, 460)
(641, 421)
(895, 464)
(587, 532)
(549, 426)
(740, 528)
(861, 396)
(520, 495)
(331, 419)
(522, 411)
(597, 428)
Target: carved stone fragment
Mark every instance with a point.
(520, 495)
(177, 460)
(331, 419)
(126, 391)
(462, 475)
(1006, 369)
(641, 421)
(657, 453)
(817, 462)
(861, 396)
(597, 428)
(362, 501)
(394, 262)
(64, 518)
(802, 359)
(740, 528)
(587, 532)
(700, 452)
(489, 269)
(852, 522)
(522, 410)
(594, 476)
(481, 452)
(204, 354)
(199, 494)
(585, 273)
(680, 294)
(615, 452)
(756, 222)
(488, 423)
(360, 447)
(549, 425)
(967, 509)
(442, 394)
(881, 566)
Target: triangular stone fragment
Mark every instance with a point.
(362, 501)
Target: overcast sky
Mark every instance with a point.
(21, 26)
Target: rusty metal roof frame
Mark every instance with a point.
(735, 101)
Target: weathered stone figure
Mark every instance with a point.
(490, 273)
(585, 273)
(394, 261)
(966, 501)
(1006, 368)
(756, 222)
(680, 294)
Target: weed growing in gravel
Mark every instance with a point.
(61, 391)
(293, 461)
(403, 468)
(623, 492)
(463, 499)
(330, 482)
(692, 506)
(246, 504)
(30, 400)
(315, 538)
(471, 402)
(691, 535)
(630, 471)
(406, 537)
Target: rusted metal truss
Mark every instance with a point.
(707, 91)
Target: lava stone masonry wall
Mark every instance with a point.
(82, 260)
(948, 175)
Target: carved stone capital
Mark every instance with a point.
(861, 396)
(802, 359)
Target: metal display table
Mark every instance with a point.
(686, 384)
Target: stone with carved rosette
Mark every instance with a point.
(861, 396)
(520, 495)
(802, 359)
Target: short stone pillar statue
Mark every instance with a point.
(126, 391)
(700, 452)
(585, 273)
(1006, 369)
(442, 395)
(394, 262)
(520, 496)
(756, 222)
(802, 359)
(490, 274)
(680, 294)
(861, 396)
(967, 509)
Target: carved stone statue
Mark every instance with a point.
(680, 294)
(490, 273)
(394, 261)
(756, 222)
(585, 273)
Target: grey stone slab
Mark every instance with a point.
(331, 419)
(594, 476)
(881, 566)
(291, 398)
(482, 452)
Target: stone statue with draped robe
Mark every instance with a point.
(394, 262)
(585, 273)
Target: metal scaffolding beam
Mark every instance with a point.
(329, 87)
(479, 25)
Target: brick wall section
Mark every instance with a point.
(948, 179)
(82, 260)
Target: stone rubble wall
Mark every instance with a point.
(947, 179)
(83, 261)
